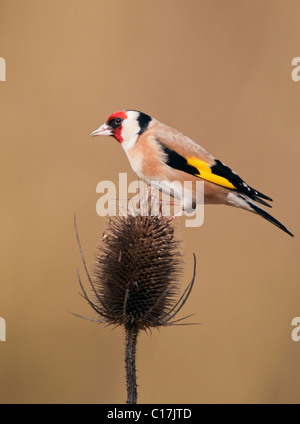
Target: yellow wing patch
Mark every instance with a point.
(206, 173)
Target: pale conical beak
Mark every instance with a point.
(105, 129)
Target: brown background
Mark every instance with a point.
(220, 72)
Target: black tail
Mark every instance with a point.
(268, 217)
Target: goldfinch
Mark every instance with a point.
(161, 154)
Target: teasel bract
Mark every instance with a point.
(135, 281)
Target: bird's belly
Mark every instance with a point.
(192, 192)
(176, 190)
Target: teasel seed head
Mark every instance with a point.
(135, 280)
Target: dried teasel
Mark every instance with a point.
(135, 280)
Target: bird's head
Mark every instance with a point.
(125, 126)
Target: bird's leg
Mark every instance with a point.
(156, 200)
(167, 203)
(149, 201)
(172, 203)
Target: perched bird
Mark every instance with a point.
(162, 155)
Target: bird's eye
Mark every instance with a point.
(118, 121)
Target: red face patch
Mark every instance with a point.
(122, 114)
(118, 134)
(117, 128)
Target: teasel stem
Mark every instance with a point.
(130, 363)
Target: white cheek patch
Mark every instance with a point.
(130, 131)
